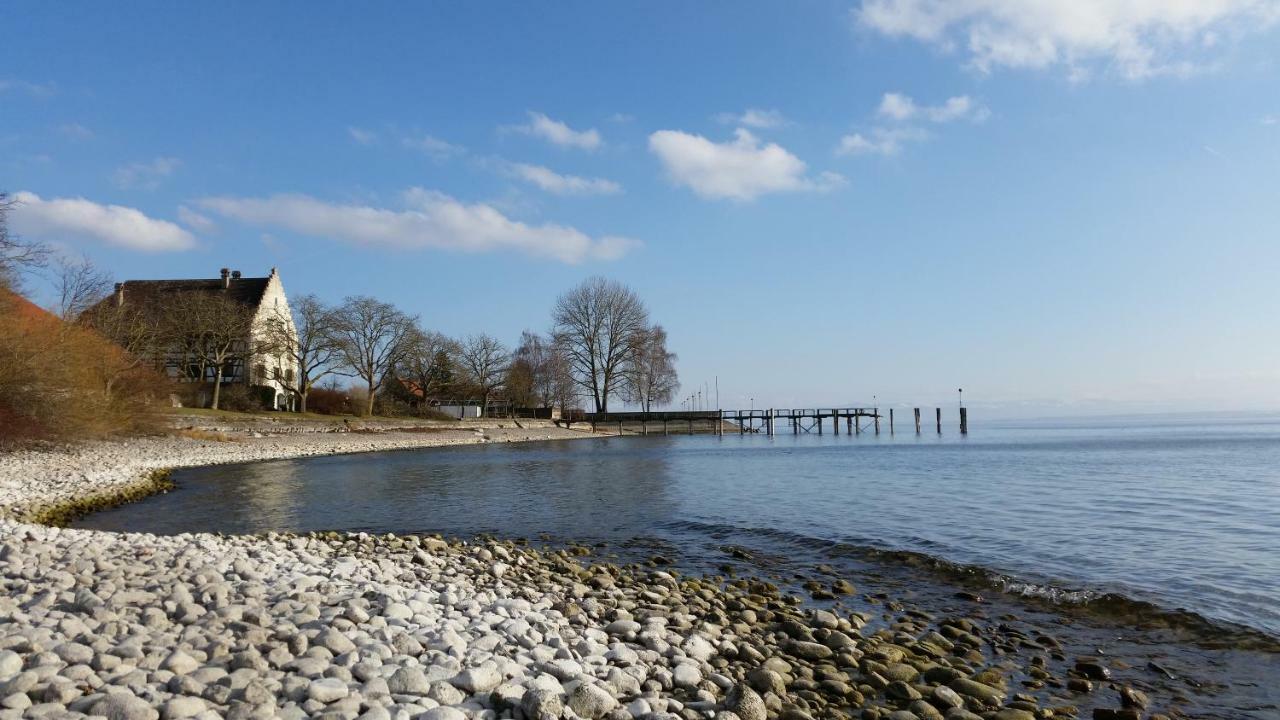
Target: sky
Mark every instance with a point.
(1062, 206)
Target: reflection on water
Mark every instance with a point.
(577, 490)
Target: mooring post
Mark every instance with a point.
(741, 428)
(720, 423)
(664, 423)
(917, 421)
(877, 414)
(644, 424)
(890, 421)
(768, 422)
(939, 416)
(964, 421)
(619, 428)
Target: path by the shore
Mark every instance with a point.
(136, 627)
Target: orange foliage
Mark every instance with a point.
(64, 382)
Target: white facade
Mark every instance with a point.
(274, 371)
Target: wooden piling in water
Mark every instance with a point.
(917, 421)
(939, 416)
(964, 421)
(876, 411)
(890, 421)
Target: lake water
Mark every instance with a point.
(1179, 513)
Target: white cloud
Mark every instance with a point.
(1271, 120)
(622, 118)
(433, 146)
(362, 136)
(36, 90)
(428, 220)
(880, 141)
(1139, 38)
(147, 175)
(194, 220)
(741, 169)
(897, 106)
(59, 218)
(554, 182)
(754, 118)
(75, 131)
(559, 133)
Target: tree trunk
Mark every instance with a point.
(302, 402)
(217, 386)
(369, 403)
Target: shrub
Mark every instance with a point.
(327, 401)
(64, 382)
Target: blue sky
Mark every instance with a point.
(1062, 206)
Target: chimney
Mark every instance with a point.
(235, 274)
(119, 294)
(226, 277)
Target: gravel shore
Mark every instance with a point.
(331, 625)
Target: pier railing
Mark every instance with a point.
(769, 421)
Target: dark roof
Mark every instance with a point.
(245, 290)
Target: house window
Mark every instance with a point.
(288, 375)
(260, 373)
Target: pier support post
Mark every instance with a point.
(877, 412)
(917, 421)
(890, 421)
(768, 423)
(939, 417)
(818, 416)
(964, 421)
(835, 423)
(857, 421)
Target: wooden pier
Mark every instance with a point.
(772, 421)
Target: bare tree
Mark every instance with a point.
(558, 386)
(370, 337)
(305, 338)
(209, 337)
(540, 373)
(651, 370)
(137, 328)
(597, 324)
(484, 362)
(16, 255)
(80, 284)
(427, 363)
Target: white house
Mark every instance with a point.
(265, 296)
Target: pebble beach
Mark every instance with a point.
(333, 625)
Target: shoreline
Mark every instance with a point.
(413, 626)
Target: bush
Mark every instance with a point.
(327, 401)
(64, 382)
(237, 397)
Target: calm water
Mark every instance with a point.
(1185, 514)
